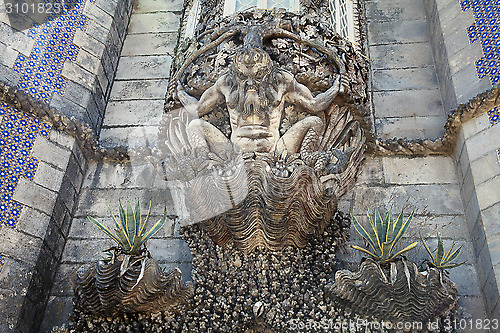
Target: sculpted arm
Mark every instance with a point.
(210, 98)
(301, 95)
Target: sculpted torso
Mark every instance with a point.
(255, 94)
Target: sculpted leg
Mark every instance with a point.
(303, 136)
(206, 137)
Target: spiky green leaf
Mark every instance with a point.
(406, 249)
(399, 233)
(440, 252)
(359, 228)
(156, 227)
(379, 224)
(123, 218)
(130, 222)
(388, 226)
(427, 249)
(137, 218)
(372, 231)
(365, 251)
(105, 229)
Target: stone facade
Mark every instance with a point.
(422, 67)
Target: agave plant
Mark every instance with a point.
(439, 258)
(383, 235)
(130, 232)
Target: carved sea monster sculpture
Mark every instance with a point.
(258, 183)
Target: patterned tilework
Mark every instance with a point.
(41, 70)
(494, 116)
(486, 29)
(18, 132)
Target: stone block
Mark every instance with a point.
(472, 211)
(69, 108)
(401, 55)
(65, 279)
(121, 113)
(467, 57)
(468, 188)
(88, 61)
(78, 74)
(33, 222)
(169, 250)
(395, 10)
(133, 136)
(488, 193)
(103, 80)
(154, 22)
(468, 85)
(450, 226)
(139, 89)
(34, 196)
(8, 75)
(422, 170)
(471, 307)
(410, 127)
(465, 277)
(10, 307)
(62, 138)
(403, 79)
(108, 6)
(8, 55)
(80, 159)
(56, 313)
(74, 174)
(152, 6)
(48, 176)
(95, 202)
(88, 43)
(442, 199)
(137, 174)
(371, 171)
(20, 246)
(149, 44)
(397, 32)
(476, 125)
(485, 168)
(85, 251)
(54, 240)
(490, 291)
(50, 153)
(144, 67)
(408, 103)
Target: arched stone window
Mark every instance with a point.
(342, 18)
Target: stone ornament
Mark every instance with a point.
(258, 131)
(396, 292)
(142, 287)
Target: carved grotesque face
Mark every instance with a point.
(252, 65)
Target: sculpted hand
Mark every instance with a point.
(344, 84)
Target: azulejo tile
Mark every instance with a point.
(486, 30)
(18, 132)
(494, 116)
(41, 70)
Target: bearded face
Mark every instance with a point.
(253, 80)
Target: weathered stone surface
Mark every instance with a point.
(149, 44)
(395, 10)
(408, 103)
(85, 251)
(137, 174)
(48, 152)
(78, 74)
(410, 127)
(170, 250)
(88, 61)
(95, 202)
(397, 32)
(465, 277)
(371, 171)
(151, 6)
(8, 55)
(488, 193)
(402, 79)
(33, 222)
(485, 167)
(139, 89)
(143, 67)
(154, 22)
(94, 13)
(134, 136)
(483, 143)
(136, 112)
(20, 246)
(89, 43)
(422, 170)
(32, 195)
(438, 199)
(48, 176)
(57, 308)
(401, 55)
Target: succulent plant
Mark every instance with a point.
(383, 235)
(439, 258)
(130, 232)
